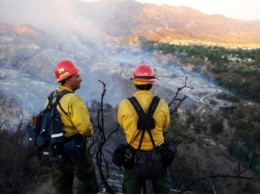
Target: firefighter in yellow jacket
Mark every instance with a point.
(77, 126)
(143, 79)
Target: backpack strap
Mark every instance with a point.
(50, 100)
(58, 96)
(145, 121)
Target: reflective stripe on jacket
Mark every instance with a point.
(77, 119)
(127, 118)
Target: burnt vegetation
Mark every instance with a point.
(218, 151)
(217, 156)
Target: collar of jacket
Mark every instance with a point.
(140, 92)
(61, 88)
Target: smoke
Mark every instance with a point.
(62, 19)
(111, 66)
(57, 17)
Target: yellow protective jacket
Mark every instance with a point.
(128, 117)
(77, 119)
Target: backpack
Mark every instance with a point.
(145, 120)
(46, 130)
(124, 155)
(167, 150)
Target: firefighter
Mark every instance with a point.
(76, 125)
(143, 79)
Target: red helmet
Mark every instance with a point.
(65, 69)
(144, 73)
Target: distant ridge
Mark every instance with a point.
(130, 21)
(171, 24)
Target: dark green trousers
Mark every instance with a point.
(63, 176)
(133, 185)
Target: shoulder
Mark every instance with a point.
(163, 103)
(125, 105)
(71, 98)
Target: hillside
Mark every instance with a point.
(170, 24)
(115, 21)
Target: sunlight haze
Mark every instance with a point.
(237, 9)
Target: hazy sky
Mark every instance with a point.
(239, 9)
(62, 16)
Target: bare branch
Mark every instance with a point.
(2, 124)
(176, 97)
(99, 140)
(224, 176)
